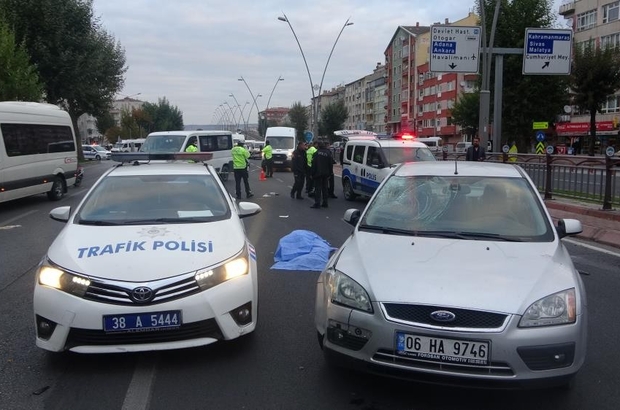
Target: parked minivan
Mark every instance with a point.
(37, 150)
(283, 143)
(220, 143)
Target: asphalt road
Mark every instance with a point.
(280, 366)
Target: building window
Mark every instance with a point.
(612, 40)
(612, 105)
(610, 12)
(582, 45)
(586, 20)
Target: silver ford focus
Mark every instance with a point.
(455, 274)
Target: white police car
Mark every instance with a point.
(154, 257)
(368, 160)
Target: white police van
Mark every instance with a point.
(155, 257)
(367, 160)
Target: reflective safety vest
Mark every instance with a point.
(309, 154)
(191, 148)
(240, 157)
(512, 150)
(268, 152)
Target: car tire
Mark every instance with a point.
(224, 173)
(98, 158)
(347, 190)
(319, 337)
(58, 189)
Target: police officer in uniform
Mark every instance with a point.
(309, 155)
(268, 156)
(322, 168)
(299, 170)
(240, 157)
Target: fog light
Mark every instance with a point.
(243, 314)
(45, 328)
(349, 337)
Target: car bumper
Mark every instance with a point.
(207, 317)
(518, 357)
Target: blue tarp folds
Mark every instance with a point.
(302, 250)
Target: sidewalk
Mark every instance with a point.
(598, 225)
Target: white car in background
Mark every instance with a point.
(455, 274)
(95, 152)
(155, 257)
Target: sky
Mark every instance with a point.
(193, 52)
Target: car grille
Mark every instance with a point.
(390, 357)
(119, 293)
(279, 157)
(464, 319)
(195, 330)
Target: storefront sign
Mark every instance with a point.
(583, 128)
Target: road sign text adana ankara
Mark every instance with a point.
(454, 49)
(547, 51)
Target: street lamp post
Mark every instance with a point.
(252, 94)
(315, 102)
(239, 105)
(274, 88)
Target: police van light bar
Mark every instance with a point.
(161, 156)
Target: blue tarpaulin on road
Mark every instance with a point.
(302, 250)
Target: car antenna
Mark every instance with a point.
(456, 170)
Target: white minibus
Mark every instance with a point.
(283, 142)
(37, 150)
(220, 143)
(433, 143)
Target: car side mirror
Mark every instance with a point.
(568, 227)
(248, 209)
(352, 216)
(61, 213)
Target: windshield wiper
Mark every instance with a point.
(387, 230)
(483, 235)
(99, 223)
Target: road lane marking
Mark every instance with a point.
(592, 247)
(138, 394)
(25, 214)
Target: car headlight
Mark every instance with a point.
(557, 309)
(210, 277)
(57, 278)
(347, 292)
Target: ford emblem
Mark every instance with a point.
(443, 316)
(142, 294)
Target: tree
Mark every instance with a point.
(595, 75)
(298, 116)
(80, 64)
(466, 112)
(104, 122)
(19, 79)
(163, 116)
(333, 117)
(526, 98)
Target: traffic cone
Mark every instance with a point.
(262, 175)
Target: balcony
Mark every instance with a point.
(567, 8)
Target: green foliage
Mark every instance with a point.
(160, 117)
(526, 98)
(80, 64)
(466, 112)
(104, 122)
(333, 117)
(19, 79)
(299, 119)
(595, 75)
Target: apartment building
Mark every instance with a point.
(400, 65)
(597, 23)
(87, 130)
(126, 103)
(365, 100)
(274, 115)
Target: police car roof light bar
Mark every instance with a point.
(161, 156)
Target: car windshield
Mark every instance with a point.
(99, 148)
(163, 143)
(490, 208)
(400, 154)
(281, 142)
(154, 199)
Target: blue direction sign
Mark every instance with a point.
(308, 135)
(540, 136)
(610, 151)
(454, 49)
(547, 51)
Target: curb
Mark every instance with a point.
(611, 215)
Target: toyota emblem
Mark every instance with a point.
(443, 316)
(142, 294)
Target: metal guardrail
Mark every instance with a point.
(593, 179)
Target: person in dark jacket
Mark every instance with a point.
(475, 152)
(299, 166)
(322, 168)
